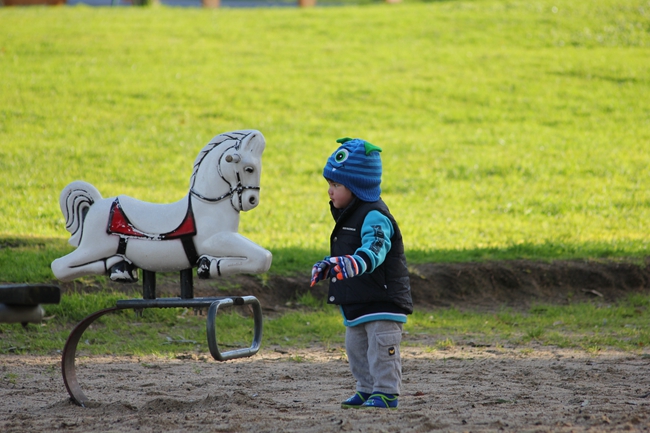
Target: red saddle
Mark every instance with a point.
(119, 224)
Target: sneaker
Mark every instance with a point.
(379, 399)
(355, 401)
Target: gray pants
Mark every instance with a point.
(373, 353)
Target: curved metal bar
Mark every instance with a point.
(70, 348)
(68, 358)
(212, 333)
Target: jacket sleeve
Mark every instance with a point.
(376, 232)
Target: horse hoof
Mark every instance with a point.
(203, 268)
(123, 272)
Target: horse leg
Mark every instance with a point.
(96, 255)
(123, 271)
(66, 269)
(228, 253)
(75, 265)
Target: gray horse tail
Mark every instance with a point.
(75, 200)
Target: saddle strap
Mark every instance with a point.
(190, 250)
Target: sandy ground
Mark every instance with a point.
(474, 389)
(465, 388)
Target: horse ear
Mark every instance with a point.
(256, 144)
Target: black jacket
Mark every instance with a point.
(387, 288)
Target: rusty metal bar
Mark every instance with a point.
(212, 303)
(68, 357)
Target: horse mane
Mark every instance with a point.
(214, 143)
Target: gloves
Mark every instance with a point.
(344, 267)
(320, 271)
(337, 268)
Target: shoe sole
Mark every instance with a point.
(350, 406)
(377, 407)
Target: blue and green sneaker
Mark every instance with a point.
(355, 402)
(381, 400)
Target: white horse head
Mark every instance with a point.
(234, 159)
(116, 235)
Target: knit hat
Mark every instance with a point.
(357, 166)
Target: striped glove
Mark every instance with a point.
(320, 271)
(344, 267)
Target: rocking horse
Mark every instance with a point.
(116, 236)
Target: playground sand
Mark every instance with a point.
(465, 388)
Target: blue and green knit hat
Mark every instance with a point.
(357, 166)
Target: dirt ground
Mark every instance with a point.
(466, 388)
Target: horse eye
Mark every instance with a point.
(341, 155)
(249, 170)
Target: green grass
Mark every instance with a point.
(588, 326)
(510, 129)
(168, 332)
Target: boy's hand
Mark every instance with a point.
(344, 267)
(320, 271)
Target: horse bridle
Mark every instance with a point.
(239, 188)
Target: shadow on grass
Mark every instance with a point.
(28, 259)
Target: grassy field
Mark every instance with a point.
(166, 332)
(510, 129)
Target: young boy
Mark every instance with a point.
(367, 272)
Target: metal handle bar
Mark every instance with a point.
(212, 332)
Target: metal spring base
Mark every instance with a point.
(213, 304)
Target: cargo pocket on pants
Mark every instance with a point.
(388, 345)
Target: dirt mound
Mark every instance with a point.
(521, 283)
(516, 284)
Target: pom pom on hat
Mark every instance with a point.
(356, 164)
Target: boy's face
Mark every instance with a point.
(341, 196)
